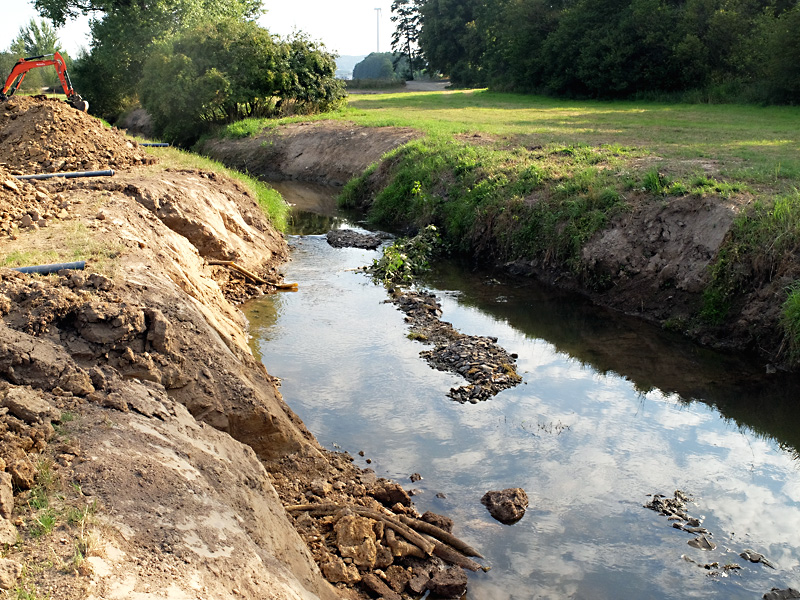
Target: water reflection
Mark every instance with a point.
(652, 359)
(607, 414)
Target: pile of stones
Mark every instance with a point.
(487, 367)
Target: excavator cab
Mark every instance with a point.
(20, 70)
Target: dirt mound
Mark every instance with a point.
(23, 204)
(39, 135)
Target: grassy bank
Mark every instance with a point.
(509, 176)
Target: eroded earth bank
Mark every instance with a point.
(146, 453)
(654, 260)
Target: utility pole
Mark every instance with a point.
(378, 11)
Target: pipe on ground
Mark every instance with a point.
(69, 174)
(54, 268)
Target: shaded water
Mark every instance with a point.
(610, 410)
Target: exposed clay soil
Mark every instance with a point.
(329, 152)
(146, 453)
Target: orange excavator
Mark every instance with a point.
(24, 65)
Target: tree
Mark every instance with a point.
(35, 39)
(406, 16)
(232, 69)
(377, 65)
(59, 11)
(125, 35)
(451, 41)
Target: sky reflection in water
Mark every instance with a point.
(586, 445)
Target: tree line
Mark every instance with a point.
(705, 50)
(194, 63)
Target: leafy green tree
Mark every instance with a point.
(405, 38)
(125, 34)
(451, 40)
(231, 69)
(36, 39)
(377, 65)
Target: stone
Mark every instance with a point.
(8, 533)
(701, 542)
(29, 405)
(507, 506)
(336, 571)
(6, 496)
(321, 487)
(440, 521)
(450, 583)
(390, 493)
(778, 594)
(10, 572)
(25, 221)
(347, 238)
(355, 539)
(159, 331)
(23, 474)
(379, 587)
(398, 577)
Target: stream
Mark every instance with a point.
(610, 411)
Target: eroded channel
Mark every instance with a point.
(610, 411)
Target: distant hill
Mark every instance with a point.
(345, 64)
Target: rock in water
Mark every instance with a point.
(507, 506)
(778, 594)
(450, 583)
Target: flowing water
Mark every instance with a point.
(610, 411)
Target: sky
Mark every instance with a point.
(348, 27)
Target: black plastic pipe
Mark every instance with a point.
(48, 269)
(69, 175)
(154, 144)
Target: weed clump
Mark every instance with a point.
(407, 258)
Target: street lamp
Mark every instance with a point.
(378, 12)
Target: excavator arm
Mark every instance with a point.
(24, 65)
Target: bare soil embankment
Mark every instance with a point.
(146, 452)
(652, 261)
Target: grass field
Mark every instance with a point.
(755, 144)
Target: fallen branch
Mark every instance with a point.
(441, 535)
(412, 536)
(447, 554)
(241, 269)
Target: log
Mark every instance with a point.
(441, 535)
(412, 536)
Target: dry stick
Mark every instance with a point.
(242, 270)
(401, 547)
(441, 535)
(412, 536)
(445, 552)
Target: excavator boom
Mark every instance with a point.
(24, 65)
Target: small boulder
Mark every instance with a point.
(355, 539)
(23, 474)
(10, 571)
(6, 496)
(450, 583)
(336, 571)
(442, 522)
(390, 493)
(8, 533)
(507, 506)
(29, 405)
(778, 594)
